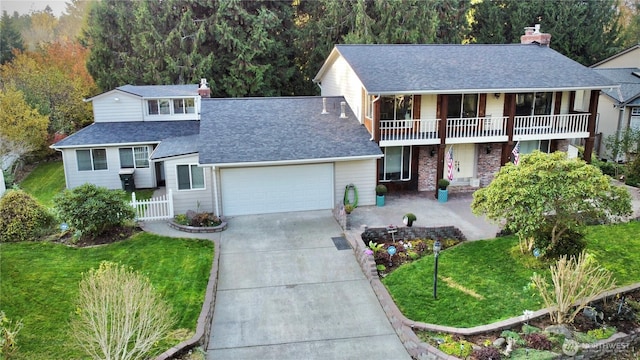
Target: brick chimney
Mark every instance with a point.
(203, 89)
(533, 35)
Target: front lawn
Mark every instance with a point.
(481, 282)
(39, 282)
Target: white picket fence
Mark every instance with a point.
(157, 208)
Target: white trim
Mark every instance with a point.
(105, 145)
(292, 162)
(489, 91)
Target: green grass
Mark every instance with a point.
(45, 181)
(492, 271)
(39, 283)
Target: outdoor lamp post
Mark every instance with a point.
(436, 251)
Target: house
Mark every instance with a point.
(229, 156)
(619, 107)
(387, 114)
(472, 104)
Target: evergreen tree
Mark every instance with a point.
(584, 30)
(9, 38)
(109, 38)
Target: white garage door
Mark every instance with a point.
(274, 189)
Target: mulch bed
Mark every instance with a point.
(110, 236)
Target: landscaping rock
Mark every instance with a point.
(499, 342)
(560, 330)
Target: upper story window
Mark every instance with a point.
(93, 159)
(539, 103)
(369, 112)
(171, 106)
(136, 157)
(184, 106)
(462, 106)
(398, 107)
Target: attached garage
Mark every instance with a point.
(272, 189)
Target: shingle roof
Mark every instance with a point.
(245, 130)
(176, 146)
(160, 90)
(129, 133)
(629, 83)
(460, 68)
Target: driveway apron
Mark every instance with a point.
(285, 291)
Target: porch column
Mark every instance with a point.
(375, 124)
(591, 127)
(510, 110)
(442, 131)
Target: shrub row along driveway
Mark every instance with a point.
(286, 292)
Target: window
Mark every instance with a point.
(528, 104)
(94, 159)
(369, 113)
(399, 107)
(136, 157)
(635, 119)
(183, 106)
(462, 106)
(396, 164)
(527, 147)
(171, 106)
(190, 177)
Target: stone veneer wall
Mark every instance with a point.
(379, 235)
(487, 165)
(427, 167)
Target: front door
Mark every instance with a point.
(160, 173)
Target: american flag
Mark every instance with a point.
(516, 153)
(450, 163)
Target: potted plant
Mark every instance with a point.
(443, 193)
(408, 219)
(381, 190)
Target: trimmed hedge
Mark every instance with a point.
(22, 218)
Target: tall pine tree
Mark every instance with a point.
(584, 30)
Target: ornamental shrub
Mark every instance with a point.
(22, 218)
(486, 353)
(538, 341)
(92, 210)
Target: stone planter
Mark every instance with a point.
(198, 229)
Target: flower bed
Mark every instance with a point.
(197, 222)
(394, 246)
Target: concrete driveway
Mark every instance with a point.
(286, 292)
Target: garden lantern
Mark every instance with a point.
(437, 246)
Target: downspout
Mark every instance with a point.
(373, 120)
(215, 190)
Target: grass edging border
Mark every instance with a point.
(404, 327)
(203, 327)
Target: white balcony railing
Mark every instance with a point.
(550, 124)
(489, 128)
(408, 130)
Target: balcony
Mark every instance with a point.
(483, 129)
